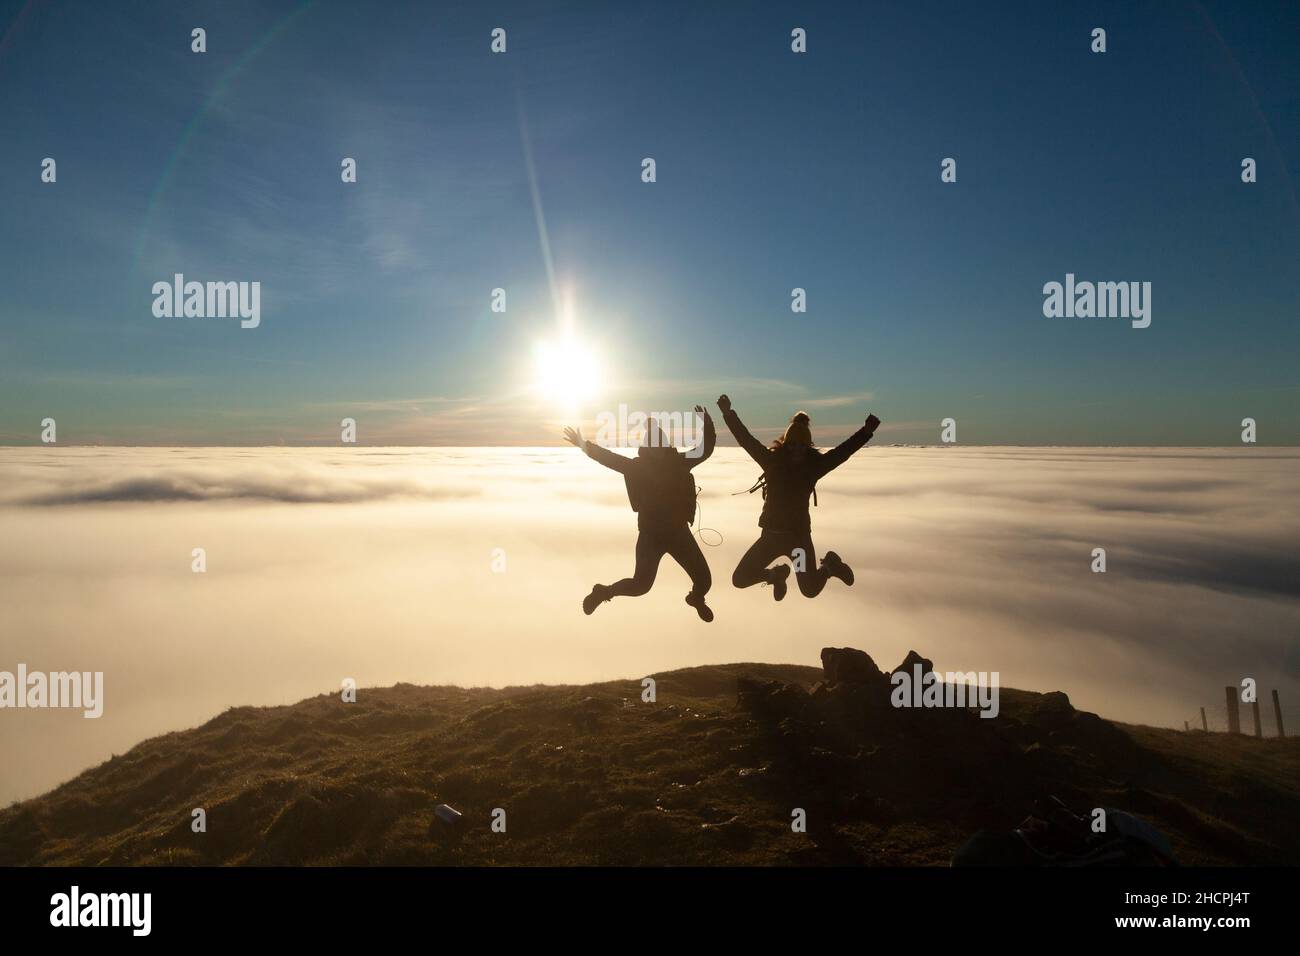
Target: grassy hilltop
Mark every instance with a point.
(707, 774)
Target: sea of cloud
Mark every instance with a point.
(378, 564)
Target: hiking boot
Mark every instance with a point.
(836, 568)
(599, 593)
(703, 610)
(779, 574)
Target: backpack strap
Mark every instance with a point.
(761, 484)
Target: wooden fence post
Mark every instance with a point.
(1204, 724)
(1259, 727)
(1277, 712)
(1234, 715)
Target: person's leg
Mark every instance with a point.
(803, 555)
(685, 550)
(753, 567)
(650, 550)
(835, 567)
(814, 577)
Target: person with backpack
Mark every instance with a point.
(661, 490)
(792, 466)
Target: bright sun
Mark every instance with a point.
(567, 372)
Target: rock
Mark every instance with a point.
(772, 701)
(447, 814)
(733, 833)
(720, 826)
(1056, 700)
(850, 665)
(747, 688)
(911, 660)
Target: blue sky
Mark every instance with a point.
(775, 170)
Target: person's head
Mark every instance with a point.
(655, 438)
(797, 440)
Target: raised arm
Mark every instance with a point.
(596, 453)
(756, 449)
(700, 453)
(845, 449)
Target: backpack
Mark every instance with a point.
(668, 484)
(762, 484)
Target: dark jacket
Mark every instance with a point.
(660, 486)
(789, 484)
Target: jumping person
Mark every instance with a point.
(661, 490)
(792, 466)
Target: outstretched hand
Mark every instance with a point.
(724, 403)
(574, 437)
(701, 410)
(872, 423)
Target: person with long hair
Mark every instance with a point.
(661, 490)
(792, 465)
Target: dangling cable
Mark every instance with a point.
(699, 527)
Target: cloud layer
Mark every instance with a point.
(377, 564)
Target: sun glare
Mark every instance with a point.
(567, 372)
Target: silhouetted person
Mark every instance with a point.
(661, 490)
(792, 466)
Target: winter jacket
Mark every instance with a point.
(660, 486)
(789, 484)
